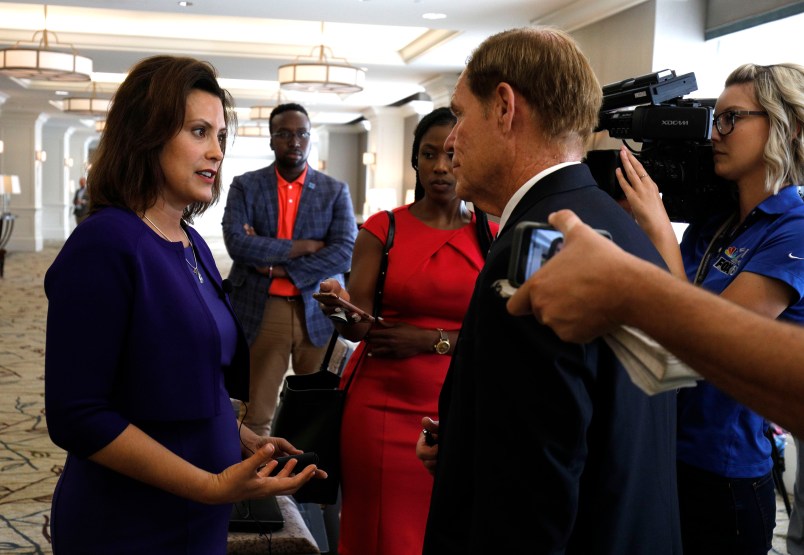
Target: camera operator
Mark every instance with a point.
(753, 256)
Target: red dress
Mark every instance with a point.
(385, 488)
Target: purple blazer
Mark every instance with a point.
(129, 336)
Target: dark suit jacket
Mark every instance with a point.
(325, 213)
(602, 479)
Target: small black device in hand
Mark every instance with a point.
(303, 460)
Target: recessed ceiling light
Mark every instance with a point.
(185, 4)
(62, 93)
(431, 15)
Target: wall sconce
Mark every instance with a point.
(369, 158)
(68, 162)
(40, 155)
(2, 147)
(322, 165)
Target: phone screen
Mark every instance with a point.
(533, 244)
(543, 244)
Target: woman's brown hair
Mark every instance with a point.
(146, 112)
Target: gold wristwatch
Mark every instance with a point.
(442, 345)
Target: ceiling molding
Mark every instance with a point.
(426, 42)
(581, 13)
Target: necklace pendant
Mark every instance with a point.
(200, 277)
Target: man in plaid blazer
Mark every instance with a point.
(287, 227)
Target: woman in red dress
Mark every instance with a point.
(432, 267)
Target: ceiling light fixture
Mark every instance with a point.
(263, 112)
(434, 16)
(258, 113)
(91, 106)
(39, 61)
(322, 75)
(253, 131)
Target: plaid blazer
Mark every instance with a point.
(325, 213)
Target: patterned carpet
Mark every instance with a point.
(29, 463)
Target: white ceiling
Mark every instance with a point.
(247, 40)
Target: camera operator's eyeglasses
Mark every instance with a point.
(724, 121)
(286, 135)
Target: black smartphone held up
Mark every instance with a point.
(533, 244)
(333, 300)
(303, 460)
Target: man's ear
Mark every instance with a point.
(504, 106)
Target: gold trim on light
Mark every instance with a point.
(91, 106)
(321, 75)
(40, 62)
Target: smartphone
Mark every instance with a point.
(303, 460)
(533, 244)
(333, 300)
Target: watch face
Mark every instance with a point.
(442, 347)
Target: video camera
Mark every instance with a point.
(676, 142)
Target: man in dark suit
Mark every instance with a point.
(81, 201)
(544, 446)
(286, 227)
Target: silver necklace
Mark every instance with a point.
(193, 268)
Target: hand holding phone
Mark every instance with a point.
(303, 460)
(332, 300)
(533, 244)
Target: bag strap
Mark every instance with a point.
(389, 242)
(333, 340)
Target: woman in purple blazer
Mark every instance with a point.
(154, 450)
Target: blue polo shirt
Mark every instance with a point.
(715, 432)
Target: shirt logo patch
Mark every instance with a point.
(727, 266)
(730, 260)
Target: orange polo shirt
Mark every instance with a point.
(289, 196)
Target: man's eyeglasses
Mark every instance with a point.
(724, 121)
(286, 135)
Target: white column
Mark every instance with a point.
(386, 140)
(22, 137)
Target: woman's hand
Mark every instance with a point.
(648, 210)
(399, 340)
(251, 479)
(427, 449)
(251, 443)
(642, 194)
